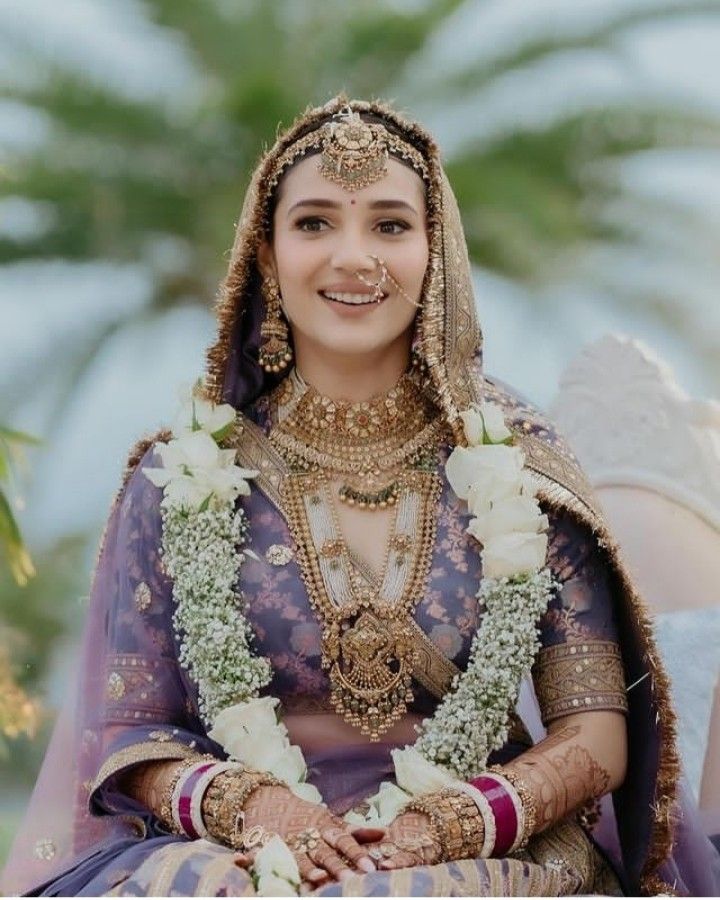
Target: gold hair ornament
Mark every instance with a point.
(353, 153)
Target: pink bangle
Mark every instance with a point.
(504, 810)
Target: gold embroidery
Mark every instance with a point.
(146, 751)
(115, 686)
(142, 597)
(278, 555)
(575, 677)
(44, 849)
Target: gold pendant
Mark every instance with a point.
(371, 661)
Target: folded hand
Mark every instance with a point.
(409, 841)
(325, 847)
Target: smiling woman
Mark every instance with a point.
(328, 248)
(351, 524)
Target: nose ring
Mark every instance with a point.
(375, 285)
(384, 276)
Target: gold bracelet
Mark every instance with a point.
(471, 822)
(222, 805)
(455, 820)
(165, 811)
(527, 804)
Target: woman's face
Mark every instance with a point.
(324, 238)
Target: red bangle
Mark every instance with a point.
(507, 824)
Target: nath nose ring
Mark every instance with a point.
(384, 276)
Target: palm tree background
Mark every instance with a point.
(155, 181)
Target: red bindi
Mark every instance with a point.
(353, 202)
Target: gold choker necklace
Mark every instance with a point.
(368, 444)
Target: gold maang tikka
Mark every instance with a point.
(353, 153)
(275, 353)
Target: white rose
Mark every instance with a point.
(474, 430)
(388, 802)
(198, 414)
(506, 516)
(186, 491)
(488, 489)
(228, 483)
(514, 554)
(237, 720)
(306, 791)
(492, 464)
(276, 859)
(529, 484)
(271, 886)
(494, 420)
(415, 774)
(191, 450)
(288, 765)
(262, 747)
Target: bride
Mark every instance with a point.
(316, 599)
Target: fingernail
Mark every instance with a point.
(317, 874)
(344, 875)
(366, 864)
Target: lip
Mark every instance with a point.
(350, 289)
(352, 309)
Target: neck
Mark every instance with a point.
(353, 378)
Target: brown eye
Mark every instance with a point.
(310, 223)
(393, 226)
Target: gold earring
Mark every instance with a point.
(275, 353)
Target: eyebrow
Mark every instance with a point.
(333, 204)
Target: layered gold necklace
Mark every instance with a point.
(384, 453)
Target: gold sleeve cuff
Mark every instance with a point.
(143, 752)
(579, 676)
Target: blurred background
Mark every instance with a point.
(582, 139)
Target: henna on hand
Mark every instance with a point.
(561, 774)
(337, 851)
(409, 842)
(148, 783)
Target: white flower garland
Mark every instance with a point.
(202, 534)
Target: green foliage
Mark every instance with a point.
(11, 542)
(34, 620)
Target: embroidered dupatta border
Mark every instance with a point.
(668, 773)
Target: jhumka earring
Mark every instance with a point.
(275, 353)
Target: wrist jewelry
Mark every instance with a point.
(455, 821)
(165, 812)
(186, 803)
(225, 797)
(512, 805)
(486, 814)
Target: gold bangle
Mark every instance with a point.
(165, 810)
(455, 821)
(222, 805)
(471, 822)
